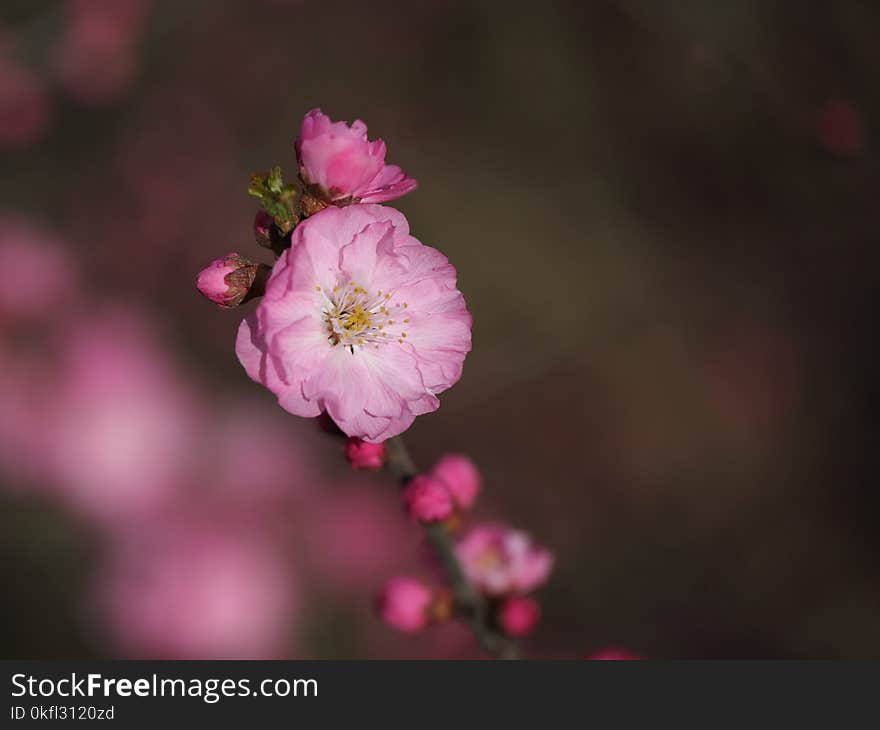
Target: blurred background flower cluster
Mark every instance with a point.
(664, 218)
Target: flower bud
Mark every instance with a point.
(461, 476)
(405, 603)
(517, 616)
(263, 228)
(231, 280)
(364, 455)
(426, 499)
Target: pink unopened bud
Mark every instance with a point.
(231, 280)
(363, 455)
(405, 603)
(427, 499)
(517, 616)
(263, 228)
(461, 476)
(613, 654)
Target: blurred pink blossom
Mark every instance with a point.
(501, 561)
(404, 603)
(359, 319)
(97, 58)
(614, 654)
(427, 499)
(354, 537)
(188, 589)
(461, 477)
(24, 103)
(121, 430)
(344, 164)
(518, 615)
(40, 274)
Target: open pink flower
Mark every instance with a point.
(502, 561)
(359, 319)
(344, 164)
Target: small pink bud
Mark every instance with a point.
(231, 279)
(364, 455)
(263, 228)
(427, 499)
(405, 603)
(517, 616)
(613, 654)
(461, 476)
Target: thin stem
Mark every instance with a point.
(470, 604)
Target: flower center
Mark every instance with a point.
(355, 318)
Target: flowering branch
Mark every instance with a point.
(469, 603)
(363, 323)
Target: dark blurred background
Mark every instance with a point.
(664, 220)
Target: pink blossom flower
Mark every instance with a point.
(196, 590)
(404, 604)
(427, 499)
(501, 561)
(359, 319)
(518, 616)
(41, 275)
(363, 455)
(461, 476)
(344, 164)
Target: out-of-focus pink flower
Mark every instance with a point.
(122, 421)
(363, 455)
(195, 590)
(461, 476)
(97, 56)
(501, 561)
(24, 104)
(427, 499)
(518, 615)
(359, 319)
(404, 604)
(344, 164)
(39, 275)
(840, 128)
(614, 654)
(355, 538)
(227, 280)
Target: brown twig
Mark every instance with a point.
(469, 603)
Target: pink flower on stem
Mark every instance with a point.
(363, 455)
(461, 476)
(344, 164)
(405, 603)
(427, 499)
(501, 561)
(361, 320)
(518, 616)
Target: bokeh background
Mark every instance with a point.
(664, 217)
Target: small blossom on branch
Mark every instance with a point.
(501, 561)
(339, 165)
